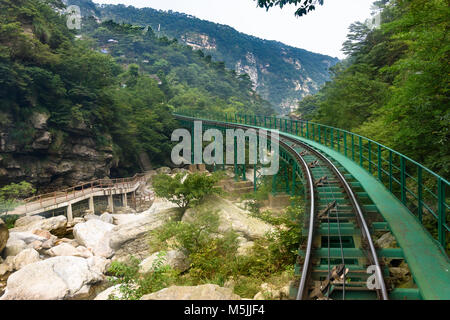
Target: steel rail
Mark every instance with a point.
(382, 292)
(360, 216)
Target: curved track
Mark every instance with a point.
(333, 206)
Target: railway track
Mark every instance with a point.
(339, 250)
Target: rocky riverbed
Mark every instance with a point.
(54, 259)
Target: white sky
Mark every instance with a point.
(322, 31)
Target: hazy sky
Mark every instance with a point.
(321, 31)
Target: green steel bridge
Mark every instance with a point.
(355, 189)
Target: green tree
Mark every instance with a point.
(305, 6)
(11, 194)
(184, 190)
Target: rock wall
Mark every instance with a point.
(50, 159)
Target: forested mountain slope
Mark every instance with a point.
(394, 87)
(281, 74)
(71, 112)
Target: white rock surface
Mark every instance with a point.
(52, 279)
(95, 235)
(147, 221)
(14, 247)
(173, 258)
(26, 257)
(107, 217)
(24, 221)
(65, 249)
(203, 292)
(111, 291)
(232, 217)
(50, 224)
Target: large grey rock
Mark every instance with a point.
(7, 266)
(203, 292)
(65, 249)
(54, 224)
(232, 218)
(387, 240)
(99, 264)
(27, 237)
(26, 257)
(173, 258)
(14, 247)
(4, 235)
(52, 279)
(164, 170)
(113, 292)
(24, 221)
(147, 221)
(95, 235)
(107, 217)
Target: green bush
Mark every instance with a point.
(134, 285)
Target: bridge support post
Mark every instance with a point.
(69, 213)
(110, 203)
(124, 200)
(91, 205)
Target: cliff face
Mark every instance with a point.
(281, 74)
(50, 159)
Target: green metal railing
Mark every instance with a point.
(421, 190)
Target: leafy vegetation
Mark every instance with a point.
(123, 100)
(305, 6)
(214, 256)
(10, 196)
(184, 190)
(393, 87)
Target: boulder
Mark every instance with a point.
(113, 292)
(387, 240)
(231, 218)
(14, 247)
(7, 266)
(173, 258)
(44, 234)
(27, 237)
(56, 225)
(164, 170)
(107, 217)
(52, 279)
(203, 292)
(146, 222)
(95, 235)
(99, 264)
(269, 292)
(4, 235)
(65, 249)
(24, 221)
(91, 217)
(26, 257)
(245, 248)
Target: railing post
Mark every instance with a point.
(332, 138)
(390, 170)
(296, 127)
(353, 147)
(361, 162)
(441, 213)
(419, 194)
(380, 165)
(403, 179)
(369, 146)
(345, 143)
(320, 136)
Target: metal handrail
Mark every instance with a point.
(397, 172)
(99, 183)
